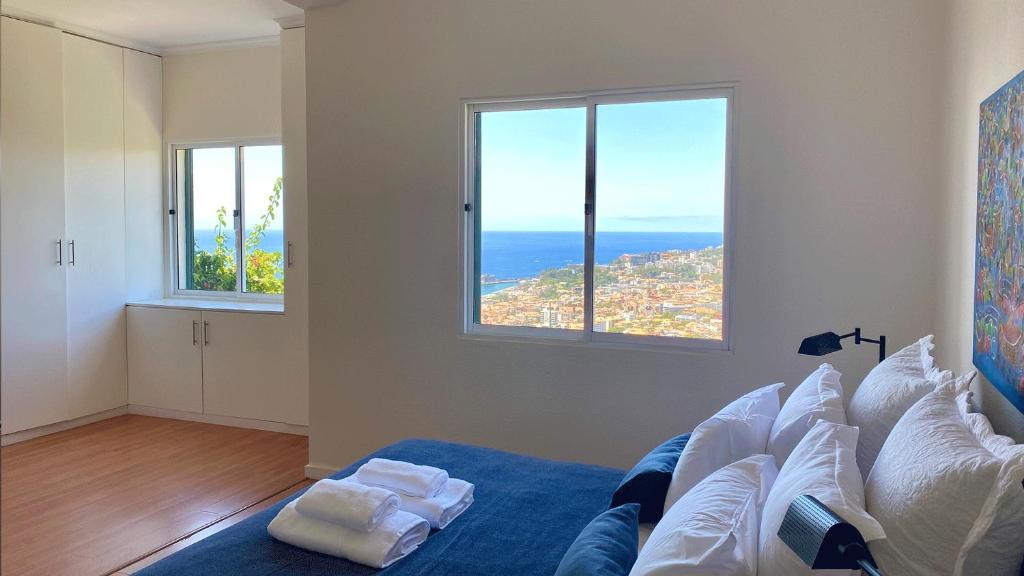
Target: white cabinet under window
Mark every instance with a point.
(243, 366)
(212, 362)
(64, 205)
(165, 358)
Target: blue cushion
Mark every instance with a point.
(606, 547)
(647, 483)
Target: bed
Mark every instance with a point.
(526, 514)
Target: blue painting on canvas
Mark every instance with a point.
(999, 247)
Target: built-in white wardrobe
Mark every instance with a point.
(80, 215)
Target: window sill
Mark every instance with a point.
(213, 305)
(638, 344)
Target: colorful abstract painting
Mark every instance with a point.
(999, 272)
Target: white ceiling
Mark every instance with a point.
(160, 25)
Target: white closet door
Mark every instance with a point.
(94, 168)
(33, 338)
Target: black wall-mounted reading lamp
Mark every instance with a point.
(830, 342)
(823, 540)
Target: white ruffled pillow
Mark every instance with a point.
(737, 431)
(819, 397)
(999, 552)
(937, 488)
(713, 528)
(887, 392)
(822, 465)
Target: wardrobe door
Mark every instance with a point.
(94, 168)
(33, 328)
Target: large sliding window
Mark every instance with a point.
(229, 236)
(600, 217)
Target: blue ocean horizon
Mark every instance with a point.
(518, 255)
(510, 256)
(273, 240)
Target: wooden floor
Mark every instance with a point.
(103, 498)
(226, 522)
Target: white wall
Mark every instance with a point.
(143, 175)
(224, 94)
(984, 51)
(293, 137)
(836, 205)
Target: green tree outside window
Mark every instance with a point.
(264, 270)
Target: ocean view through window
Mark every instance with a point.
(229, 235)
(600, 217)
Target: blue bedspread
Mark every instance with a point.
(526, 514)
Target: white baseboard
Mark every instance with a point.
(22, 435)
(221, 420)
(315, 472)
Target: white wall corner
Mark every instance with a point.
(288, 22)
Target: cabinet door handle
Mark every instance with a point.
(71, 245)
(206, 333)
(289, 254)
(60, 252)
(195, 338)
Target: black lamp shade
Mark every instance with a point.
(822, 539)
(821, 344)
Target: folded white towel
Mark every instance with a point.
(397, 536)
(440, 510)
(402, 477)
(354, 506)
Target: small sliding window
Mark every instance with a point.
(599, 217)
(228, 236)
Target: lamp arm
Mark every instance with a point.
(881, 346)
(857, 338)
(869, 568)
(859, 554)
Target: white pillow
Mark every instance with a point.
(739, 430)
(823, 465)
(713, 528)
(819, 397)
(999, 552)
(935, 489)
(887, 392)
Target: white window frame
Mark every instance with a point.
(176, 223)
(589, 100)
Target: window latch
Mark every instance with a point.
(172, 212)
(588, 209)
(467, 207)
